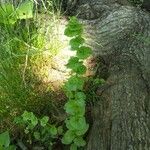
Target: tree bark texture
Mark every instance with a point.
(120, 35)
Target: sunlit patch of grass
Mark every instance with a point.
(26, 53)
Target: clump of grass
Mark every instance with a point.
(27, 48)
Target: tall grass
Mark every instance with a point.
(22, 51)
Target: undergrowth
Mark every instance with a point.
(39, 131)
(28, 42)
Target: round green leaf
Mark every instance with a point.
(84, 52)
(72, 62)
(44, 121)
(29, 116)
(79, 141)
(60, 130)
(73, 28)
(25, 10)
(76, 66)
(26, 116)
(80, 96)
(77, 124)
(68, 137)
(4, 139)
(82, 131)
(73, 107)
(74, 83)
(53, 130)
(81, 69)
(34, 121)
(76, 42)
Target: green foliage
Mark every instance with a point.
(83, 52)
(19, 44)
(76, 65)
(73, 147)
(9, 14)
(5, 142)
(74, 83)
(27, 47)
(76, 42)
(92, 85)
(39, 129)
(25, 10)
(79, 142)
(74, 28)
(44, 121)
(75, 106)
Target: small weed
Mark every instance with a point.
(38, 129)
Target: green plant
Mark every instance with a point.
(9, 14)
(27, 47)
(38, 129)
(5, 142)
(14, 51)
(75, 106)
(15, 40)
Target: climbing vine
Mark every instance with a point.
(75, 107)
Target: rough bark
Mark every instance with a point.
(120, 35)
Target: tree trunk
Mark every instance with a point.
(120, 35)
